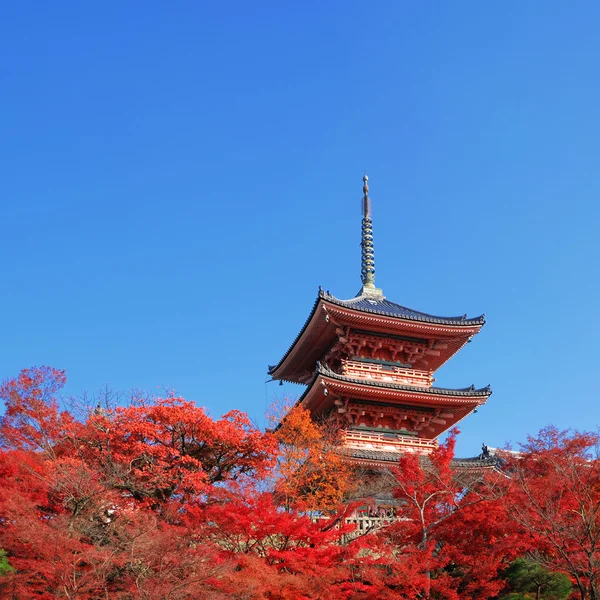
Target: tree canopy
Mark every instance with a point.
(156, 499)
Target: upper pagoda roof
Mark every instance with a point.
(372, 313)
(382, 306)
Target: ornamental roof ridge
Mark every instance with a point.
(470, 391)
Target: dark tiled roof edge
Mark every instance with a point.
(404, 312)
(387, 456)
(436, 391)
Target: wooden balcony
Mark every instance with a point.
(363, 522)
(389, 442)
(386, 372)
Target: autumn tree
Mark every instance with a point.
(312, 473)
(555, 497)
(287, 554)
(451, 536)
(31, 418)
(98, 506)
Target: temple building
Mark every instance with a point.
(373, 362)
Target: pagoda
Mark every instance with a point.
(372, 362)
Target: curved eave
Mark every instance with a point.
(476, 463)
(387, 308)
(469, 392)
(411, 323)
(326, 386)
(384, 457)
(273, 369)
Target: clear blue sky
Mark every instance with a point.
(178, 178)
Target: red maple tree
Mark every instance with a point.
(92, 506)
(554, 495)
(451, 536)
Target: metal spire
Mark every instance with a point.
(368, 252)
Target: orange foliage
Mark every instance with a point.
(313, 475)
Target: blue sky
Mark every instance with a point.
(178, 179)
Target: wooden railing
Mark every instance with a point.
(380, 372)
(364, 522)
(386, 441)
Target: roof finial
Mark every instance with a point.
(368, 252)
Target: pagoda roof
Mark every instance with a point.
(368, 312)
(383, 306)
(469, 392)
(368, 455)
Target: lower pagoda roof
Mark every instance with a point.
(388, 458)
(374, 314)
